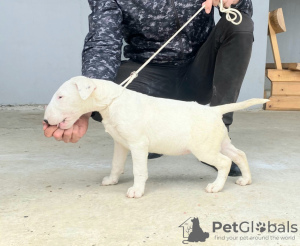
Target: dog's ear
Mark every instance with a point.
(85, 87)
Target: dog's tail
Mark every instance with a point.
(226, 108)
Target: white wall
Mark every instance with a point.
(41, 43)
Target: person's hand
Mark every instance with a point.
(210, 3)
(72, 134)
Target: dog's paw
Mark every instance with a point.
(135, 192)
(109, 181)
(213, 188)
(243, 181)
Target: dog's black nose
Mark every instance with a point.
(46, 121)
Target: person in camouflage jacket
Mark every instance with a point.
(205, 63)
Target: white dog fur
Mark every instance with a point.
(143, 124)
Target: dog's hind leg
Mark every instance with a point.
(239, 157)
(222, 163)
(139, 154)
(209, 152)
(119, 158)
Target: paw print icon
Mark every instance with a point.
(261, 227)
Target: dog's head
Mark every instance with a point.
(69, 102)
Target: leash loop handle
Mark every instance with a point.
(231, 11)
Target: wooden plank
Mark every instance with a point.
(277, 20)
(290, 66)
(284, 103)
(274, 45)
(273, 65)
(294, 66)
(286, 88)
(283, 75)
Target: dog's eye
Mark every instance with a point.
(60, 97)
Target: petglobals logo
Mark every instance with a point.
(259, 227)
(192, 231)
(255, 231)
(195, 232)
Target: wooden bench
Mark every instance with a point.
(284, 77)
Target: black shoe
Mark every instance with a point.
(153, 156)
(234, 169)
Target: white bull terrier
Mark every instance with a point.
(143, 124)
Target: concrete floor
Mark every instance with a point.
(51, 194)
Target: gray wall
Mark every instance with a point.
(289, 41)
(41, 47)
(41, 43)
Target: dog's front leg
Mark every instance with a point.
(120, 155)
(139, 154)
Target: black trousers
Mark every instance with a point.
(214, 76)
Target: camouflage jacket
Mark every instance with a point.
(145, 25)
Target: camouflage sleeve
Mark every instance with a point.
(244, 6)
(101, 55)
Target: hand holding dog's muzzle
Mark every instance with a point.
(73, 134)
